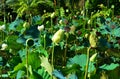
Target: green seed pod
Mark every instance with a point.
(58, 36)
(93, 39)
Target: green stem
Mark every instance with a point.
(2, 36)
(4, 11)
(52, 58)
(51, 25)
(84, 8)
(87, 63)
(52, 61)
(65, 51)
(27, 61)
(44, 41)
(1, 72)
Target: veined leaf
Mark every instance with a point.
(112, 66)
(45, 63)
(20, 74)
(78, 59)
(58, 74)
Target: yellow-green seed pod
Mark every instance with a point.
(58, 36)
(92, 58)
(93, 39)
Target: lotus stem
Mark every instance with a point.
(87, 63)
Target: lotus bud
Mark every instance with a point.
(72, 29)
(93, 39)
(2, 27)
(92, 58)
(26, 25)
(67, 10)
(82, 12)
(58, 36)
(88, 21)
(86, 35)
(52, 15)
(4, 46)
(60, 22)
(112, 6)
(101, 6)
(40, 28)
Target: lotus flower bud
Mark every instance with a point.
(4, 46)
(72, 29)
(40, 28)
(60, 22)
(26, 25)
(67, 10)
(112, 6)
(92, 58)
(82, 12)
(58, 36)
(86, 35)
(88, 21)
(2, 27)
(52, 15)
(93, 39)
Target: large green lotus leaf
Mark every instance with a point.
(22, 54)
(78, 59)
(112, 66)
(45, 63)
(91, 67)
(42, 72)
(76, 22)
(72, 68)
(33, 60)
(36, 19)
(20, 66)
(20, 73)
(14, 61)
(12, 43)
(14, 24)
(42, 51)
(73, 76)
(116, 32)
(58, 74)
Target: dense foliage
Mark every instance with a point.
(59, 39)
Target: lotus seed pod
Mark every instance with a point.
(58, 36)
(29, 42)
(92, 58)
(93, 39)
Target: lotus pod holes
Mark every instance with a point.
(29, 42)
